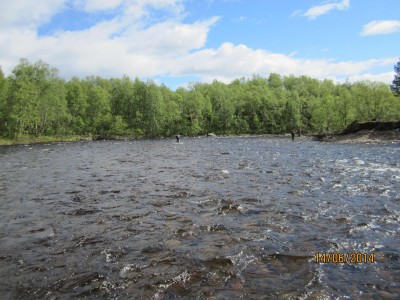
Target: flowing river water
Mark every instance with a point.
(209, 218)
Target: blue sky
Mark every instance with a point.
(176, 41)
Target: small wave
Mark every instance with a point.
(82, 212)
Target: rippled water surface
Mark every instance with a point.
(223, 218)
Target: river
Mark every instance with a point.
(208, 218)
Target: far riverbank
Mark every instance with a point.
(366, 132)
(364, 136)
(28, 140)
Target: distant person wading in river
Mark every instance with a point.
(178, 138)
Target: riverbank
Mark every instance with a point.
(28, 140)
(25, 140)
(366, 133)
(363, 137)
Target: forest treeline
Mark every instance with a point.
(34, 100)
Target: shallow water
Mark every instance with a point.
(223, 218)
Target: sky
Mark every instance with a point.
(175, 42)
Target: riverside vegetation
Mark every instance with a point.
(38, 105)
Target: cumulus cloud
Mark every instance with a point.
(124, 44)
(28, 13)
(323, 9)
(169, 38)
(381, 27)
(229, 62)
(97, 5)
(383, 77)
(96, 51)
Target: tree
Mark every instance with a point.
(305, 91)
(258, 109)
(192, 112)
(122, 99)
(238, 92)
(222, 106)
(395, 87)
(3, 93)
(98, 109)
(36, 100)
(172, 112)
(149, 108)
(373, 101)
(345, 105)
(153, 110)
(77, 103)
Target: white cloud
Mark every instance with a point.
(165, 47)
(323, 9)
(110, 48)
(97, 5)
(381, 27)
(169, 38)
(28, 13)
(229, 62)
(383, 77)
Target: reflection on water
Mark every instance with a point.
(222, 218)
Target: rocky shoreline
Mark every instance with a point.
(374, 132)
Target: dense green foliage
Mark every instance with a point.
(395, 87)
(34, 100)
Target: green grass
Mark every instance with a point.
(27, 139)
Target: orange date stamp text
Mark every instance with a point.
(344, 258)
